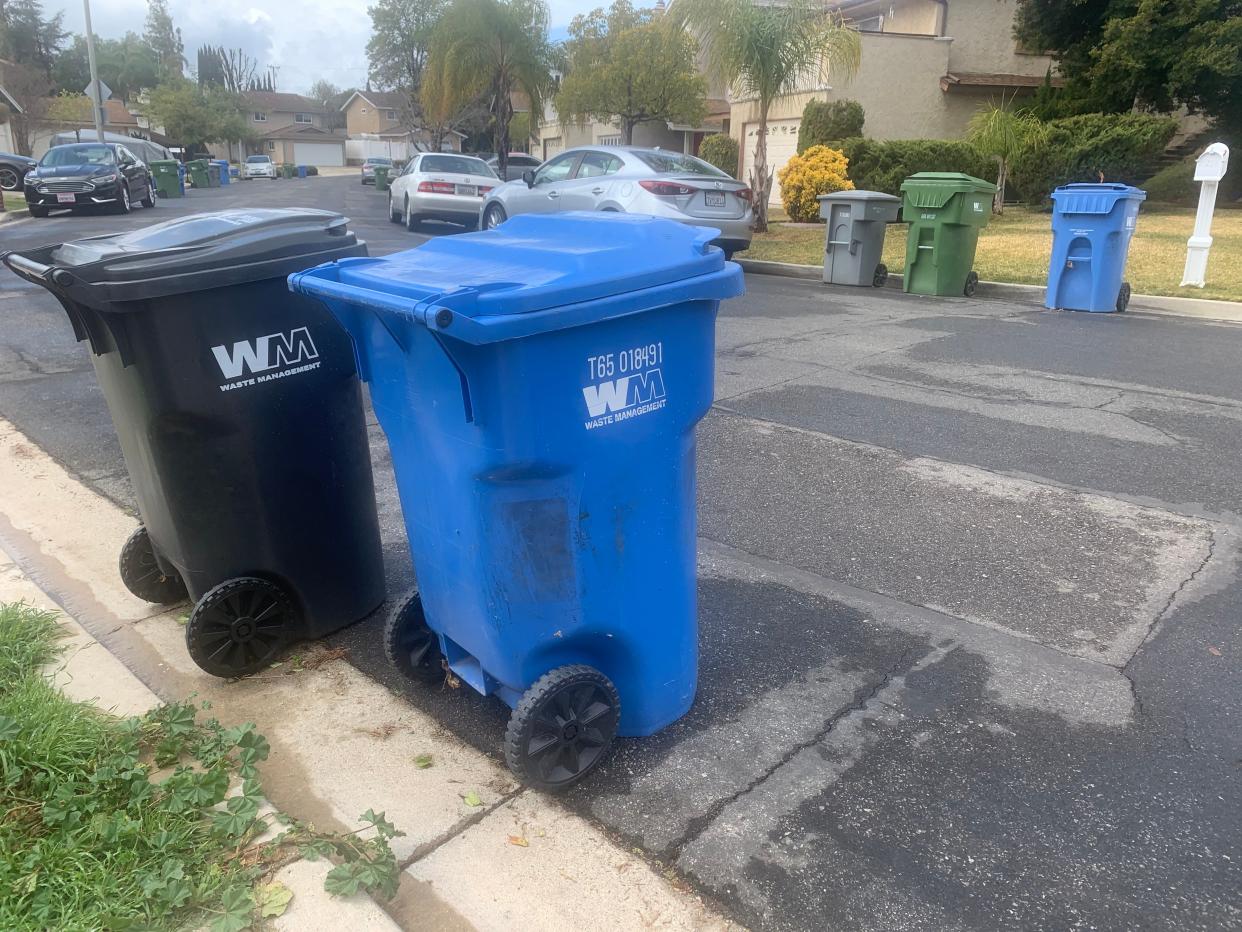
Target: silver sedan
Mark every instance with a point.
(440, 186)
(630, 180)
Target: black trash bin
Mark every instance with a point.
(240, 416)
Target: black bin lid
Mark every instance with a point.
(193, 253)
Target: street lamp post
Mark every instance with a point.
(96, 90)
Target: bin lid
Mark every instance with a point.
(191, 253)
(536, 261)
(1093, 197)
(933, 189)
(858, 196)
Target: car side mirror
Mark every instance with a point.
(529, 177)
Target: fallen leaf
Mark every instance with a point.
(327, 655)
(183, 619)
(423, 761)
(519, 841)
(1214, 651)
(472, 799)
(272, 899)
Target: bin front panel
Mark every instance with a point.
(1092, 226)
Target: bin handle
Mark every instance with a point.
(26, 268)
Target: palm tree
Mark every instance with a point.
(489, 49)
(1002, 132)
(764, 51)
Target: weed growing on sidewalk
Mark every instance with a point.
(148, 822)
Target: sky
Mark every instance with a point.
(324, 39)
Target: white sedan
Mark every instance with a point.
(440, 186)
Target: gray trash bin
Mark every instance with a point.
(855, 230)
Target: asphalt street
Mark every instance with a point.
(969, 602)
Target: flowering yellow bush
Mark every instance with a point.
(818, 170)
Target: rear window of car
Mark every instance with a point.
(378, 161)
(257, 160)
(674, 163)
(460, 164)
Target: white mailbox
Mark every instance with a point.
(1210, 168)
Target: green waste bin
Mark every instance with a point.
(381, 177)
(288, 170)
(200, 172)
(166, 175)
(946, 211)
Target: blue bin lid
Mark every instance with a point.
(1093, 198)
(537, 261)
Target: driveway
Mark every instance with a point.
(969, 603)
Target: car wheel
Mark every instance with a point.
(411, 218)
(493, 217)
(149, 200)
(122, 204)
(8, 178)
(394, 215)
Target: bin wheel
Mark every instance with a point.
(410, 645)
(972, 284)
(562, 727)
(1123, 297)
(141, 572)
(239, 626)
(881, 276)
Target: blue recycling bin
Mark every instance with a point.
(539, 385)
(301, 171)
(223, 166)
(1091, 229)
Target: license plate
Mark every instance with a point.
(715, 199)
(66, 198)
(468, 190)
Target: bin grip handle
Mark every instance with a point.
(26, 268)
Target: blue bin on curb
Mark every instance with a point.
(223, 166)
(301, 171)
(1091, 229)
(539, 385)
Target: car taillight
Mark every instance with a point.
(483, 191)
(666, 188)
(745, 194)
(437, 187)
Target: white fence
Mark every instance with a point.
(359, 150)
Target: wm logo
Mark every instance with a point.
(274, 351)
(625, 392)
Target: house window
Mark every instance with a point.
(259, 116)
(302, 118)
(271, 145)
(610, 140)
(390, 115)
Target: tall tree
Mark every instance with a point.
(492, 49)
(164, 39)
(331, 98)
(29, 87)
(631, 67)
(231, 69)
(27, 37)
(193, 114)
(401, 33)
(766, 50)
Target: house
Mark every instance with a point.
(118, 119)
(927, 67)
(377, 124)
(292, 128)
(554, 136)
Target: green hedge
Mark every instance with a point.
(883, 166)
(826, 124)
(720, 150)
(1173, 184)
(1123, 146)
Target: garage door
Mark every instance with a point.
(318, 153)
(782, 143)
(552, 146)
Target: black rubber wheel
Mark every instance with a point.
(141, 572)
(972, 284)
(562, 727)
(1123, 297)
(411, 218)
(149, 200)
(239, 626)
(9, 180)
(122, 201)
(880, 276)
(394, 215)
(410, 645)
(493, 217)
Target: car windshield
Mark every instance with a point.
(379, 161)
(257, 160)
(78, 155)
(461, 164)
(674, 163)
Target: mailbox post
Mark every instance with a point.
(1210, 168)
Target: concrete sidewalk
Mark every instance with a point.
(341, 744)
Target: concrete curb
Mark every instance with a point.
(1200, 308)
(341, 743)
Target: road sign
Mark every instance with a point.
(104, 91)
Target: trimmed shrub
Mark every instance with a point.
(1122, 147)
(818, 170)
(883, 166)
(1173, 184)
(720, 150)
(826, 124)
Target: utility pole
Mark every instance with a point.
(96, 90)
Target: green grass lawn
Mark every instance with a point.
(1016, 246)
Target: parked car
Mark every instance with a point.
(13, 169)
(519, 162)
(88, 174)
(368, 168)
(258, 166)
(440, 186)
(630, 180)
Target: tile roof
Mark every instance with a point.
(277, 100)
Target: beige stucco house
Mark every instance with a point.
(292, 128)
(927, 66)
(377, 124)
(554, 136)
